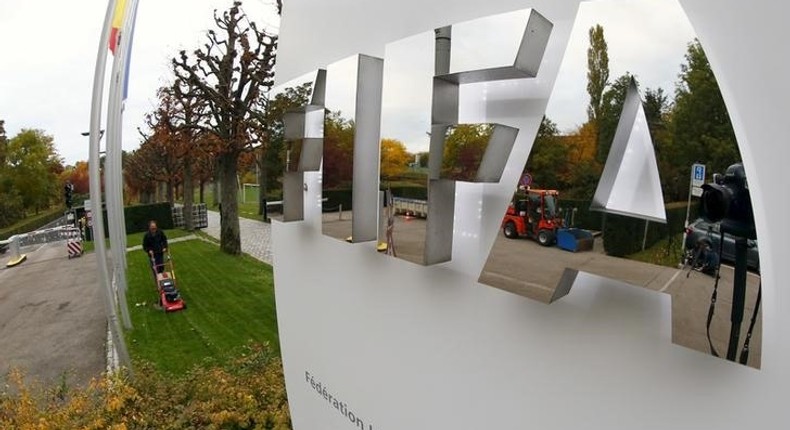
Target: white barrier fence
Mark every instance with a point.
(413, 207)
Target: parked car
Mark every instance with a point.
(703, 230)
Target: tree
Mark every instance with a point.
(584, 170)
(394, 158)
(701, 124)
(597, 71)
(674, 178)
(423, 159)
(11, 208)
(140, 172)
(78, 176)
(165, 143)
(3, 145)
(271, 153)
(183, 120)
(611, 110)
(548, 160)
(464, 150)
(230, 73)
(338, 167)
(34, 166)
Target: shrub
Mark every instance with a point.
(31, 224)
(137, 217)
(11, 208)
(584, 218)
(335, 198)
(624, 235)
(344, 197)
(248, 393)
(418, 192)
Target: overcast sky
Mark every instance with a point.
(48, 53)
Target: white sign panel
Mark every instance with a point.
(697, 179)
(372, 342)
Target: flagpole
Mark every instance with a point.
(95, 185)
(114, 176)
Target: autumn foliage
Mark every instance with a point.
(78, 176)
(394, 158)
(247, 393)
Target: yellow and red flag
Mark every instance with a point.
(117, 23)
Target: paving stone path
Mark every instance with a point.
(255, 236)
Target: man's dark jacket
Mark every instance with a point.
(154, 242)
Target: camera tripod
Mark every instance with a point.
(738, 303)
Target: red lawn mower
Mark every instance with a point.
(169, 298)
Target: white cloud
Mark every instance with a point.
(48, 51)
(647, 38)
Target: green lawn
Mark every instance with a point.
(135, 239)
(246, 210)
(230, 302)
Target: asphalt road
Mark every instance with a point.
(52, 318)
(525, 268)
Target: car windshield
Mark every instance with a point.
(551, 206)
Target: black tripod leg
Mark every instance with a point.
(738, 297)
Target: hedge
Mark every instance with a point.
(344, 197)
(335, 198)
(31, 223)
(623, 235)
(584, 218)
(137, 217)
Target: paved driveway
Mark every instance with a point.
(52, 318)
(525, 268)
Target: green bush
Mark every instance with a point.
(31, 224)
(11, 208)
(344, 197)
(417, 192)
(137, 217)
(623, 235)
(335, 198)
(245, 393)
(584, 218)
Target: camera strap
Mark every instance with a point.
(714, 297)
(711, 311)
(745, 352)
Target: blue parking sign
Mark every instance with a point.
(697, 179)
(699, 172)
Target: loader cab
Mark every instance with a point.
(533, 214)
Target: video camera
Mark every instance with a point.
(727, 200)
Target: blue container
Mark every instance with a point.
(574, 239)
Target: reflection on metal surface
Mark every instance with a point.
(304, 132)
(630, 184)
(472, 59)
(479, 153)
(351, 139)
(467, 64)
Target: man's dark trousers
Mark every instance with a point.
(159, 261)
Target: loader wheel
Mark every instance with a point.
(545, 237)
(510, 230)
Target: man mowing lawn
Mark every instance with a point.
(155, 244)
